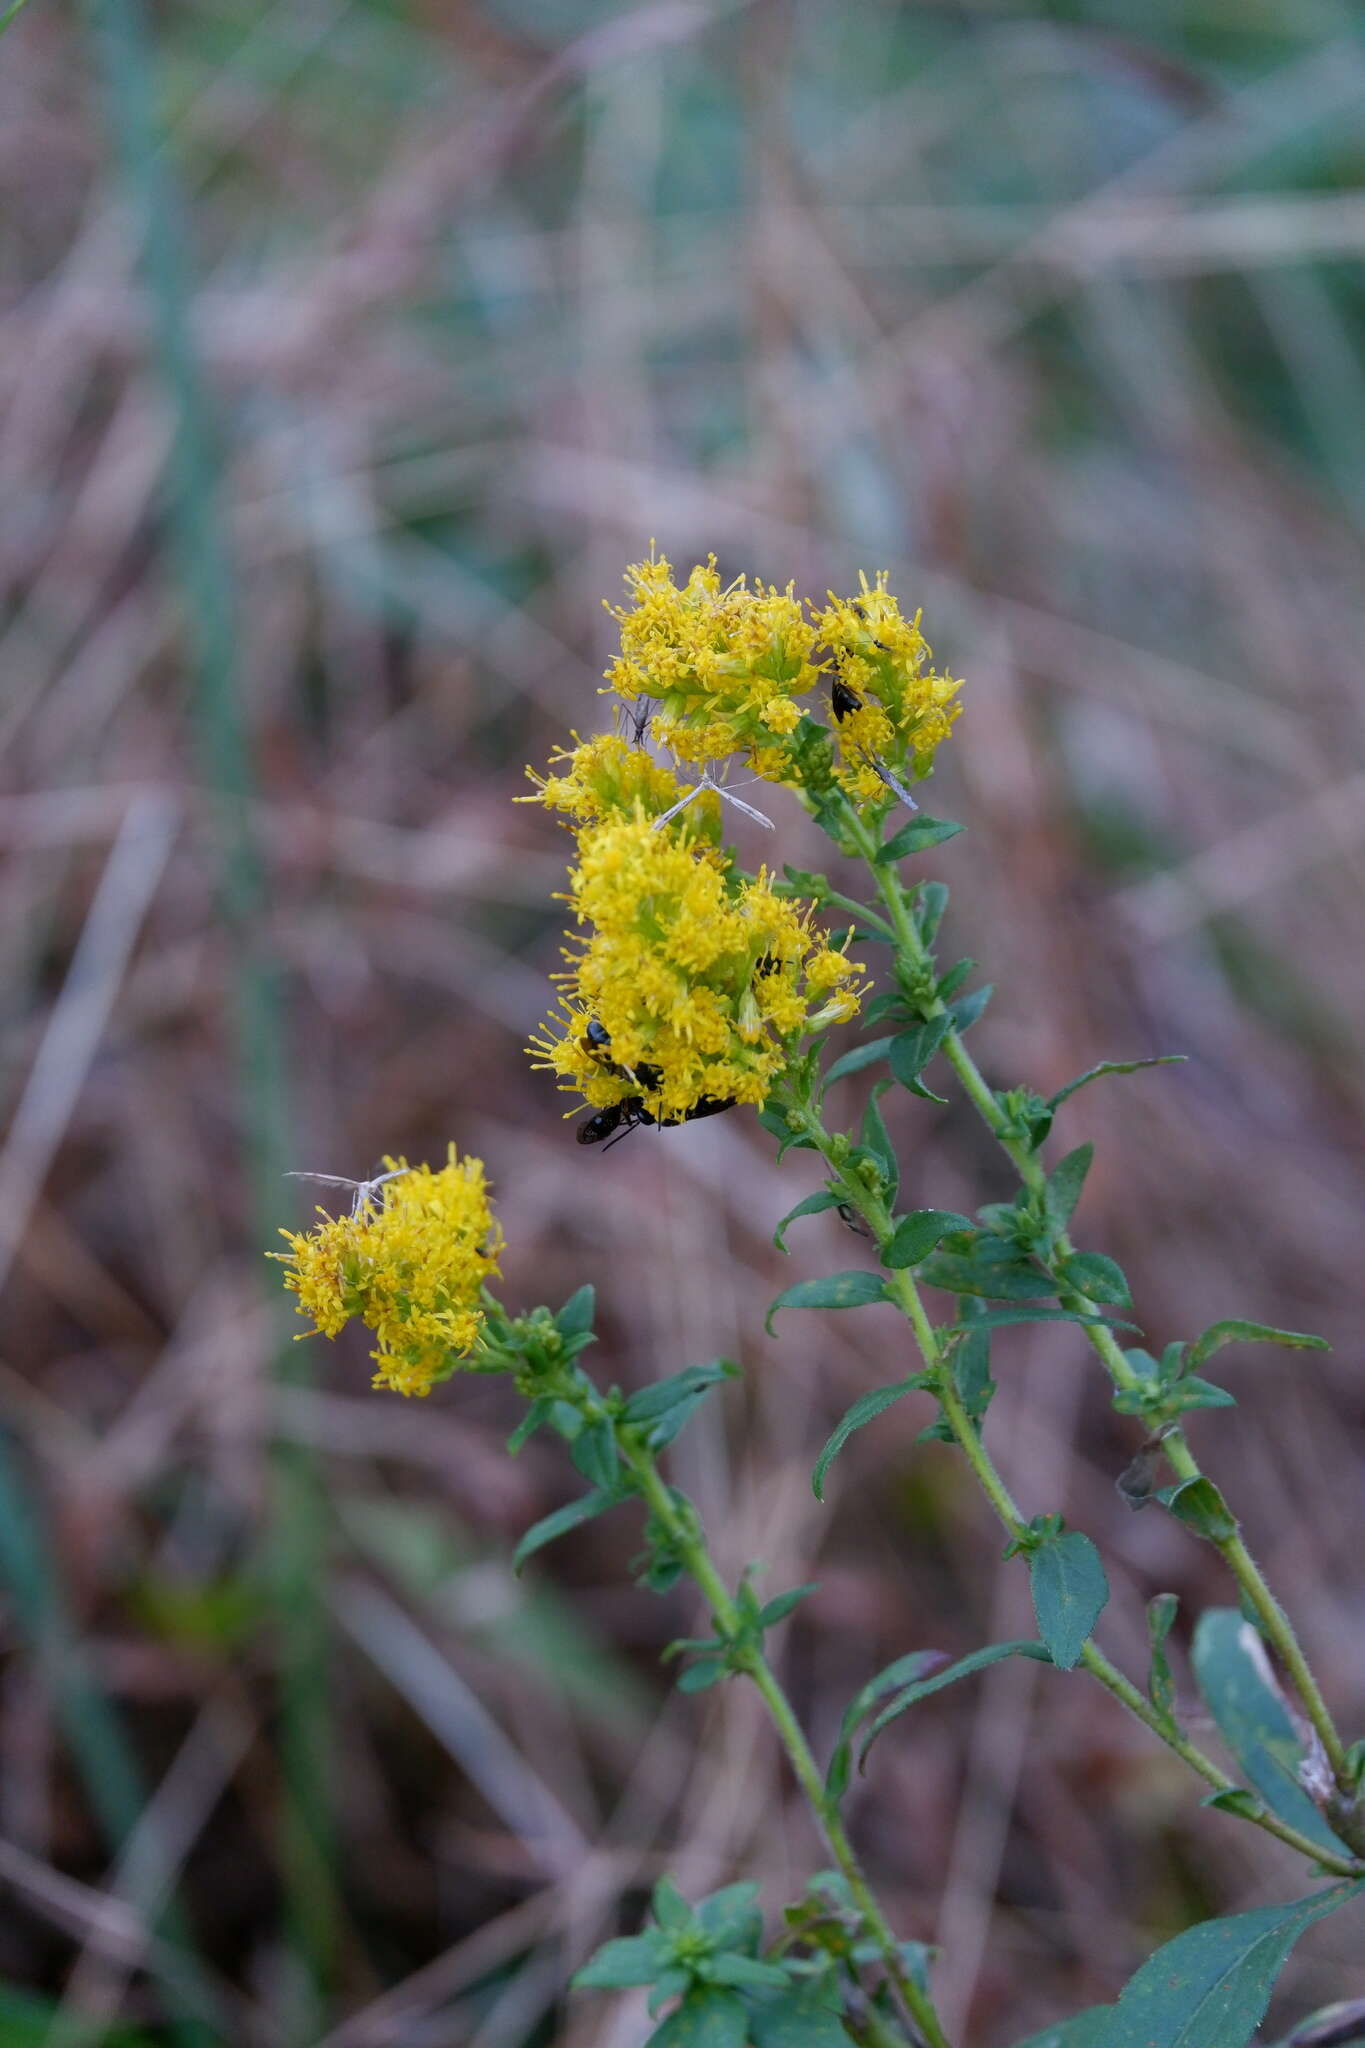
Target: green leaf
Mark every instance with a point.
(779, 1608)
(1170, 1059)
(1209, 1988)
(916, 1235)
(814, 1205)
(706, 1672)
(852, 1289)
(861, 1056)
(1161, 1613)
(563, 1519)
(707, 2018)
(874, 1137)
(964, 1668)
(731, 1917)
(669, 1907)
(911, 1051)
(1197, 1393)
(1102, 1279)
(915, 837)
(965, 1011)
(951, 982)
(1235, 1679)
(1201, 1507)
(594, 1454)
(995, 1279)
(933, 901)
(619, 1965)
(1219, 1334)
(1070, 1591)
(656, 1400)
(999, 1318)
(577, 1313)
(865, 1409)
(1083, 2030)
(1064, 1185)
(748, 1973)
(538, 1412)
(904, 1671)
(774, 1121)
(804, 2016)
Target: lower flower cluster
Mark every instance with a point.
(410, 1262)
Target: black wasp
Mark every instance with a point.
(842, 700)
(618, 1119)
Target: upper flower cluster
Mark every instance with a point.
(410, 1261)
(688, 981)
(726, 668)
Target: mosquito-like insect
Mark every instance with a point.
(362, 1191)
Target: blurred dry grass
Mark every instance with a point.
(1055, 313)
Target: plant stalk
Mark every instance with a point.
(691, 1547)
(901, 1289)
(1238, 1558)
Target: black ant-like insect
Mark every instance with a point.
(619, 1119)
(843, 701)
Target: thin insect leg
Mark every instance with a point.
(632, 1126)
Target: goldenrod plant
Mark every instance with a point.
(693, 988)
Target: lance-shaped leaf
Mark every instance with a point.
(875, 1139)
(708, 2017)
(1240, 1692)
(911, 1051)
(813, 1205)
(563, 1519)
(865, 1055)
(853, 1289)
(803, 2016)
(1161, 1613)
(1219, 1334)
(633, 1959)
(1201, 1507)
(1170, 1059)
(905, 1670)
(1063, 1188)
(1070, 1591)
(1209, 1988)
(916, 1235)
(661, 1395)
(920, 833)
(965, 1011)
(577, 1313)
(921, 1688)
(865, 1409)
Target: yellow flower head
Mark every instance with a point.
(410, 1262)
(687, 981)
(605, 776)
(723, 666)
(891, 708)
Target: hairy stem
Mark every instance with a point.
(901, 1288)
(916, 961)
(691, 1548)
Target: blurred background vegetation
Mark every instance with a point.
(348, 349)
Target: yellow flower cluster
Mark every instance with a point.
(689, 983)
(892, 710)
(725, 667)
(606, 776)
(410, 1262)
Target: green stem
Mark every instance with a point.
(916, 962)
(901, 1288)
(691, 1547)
